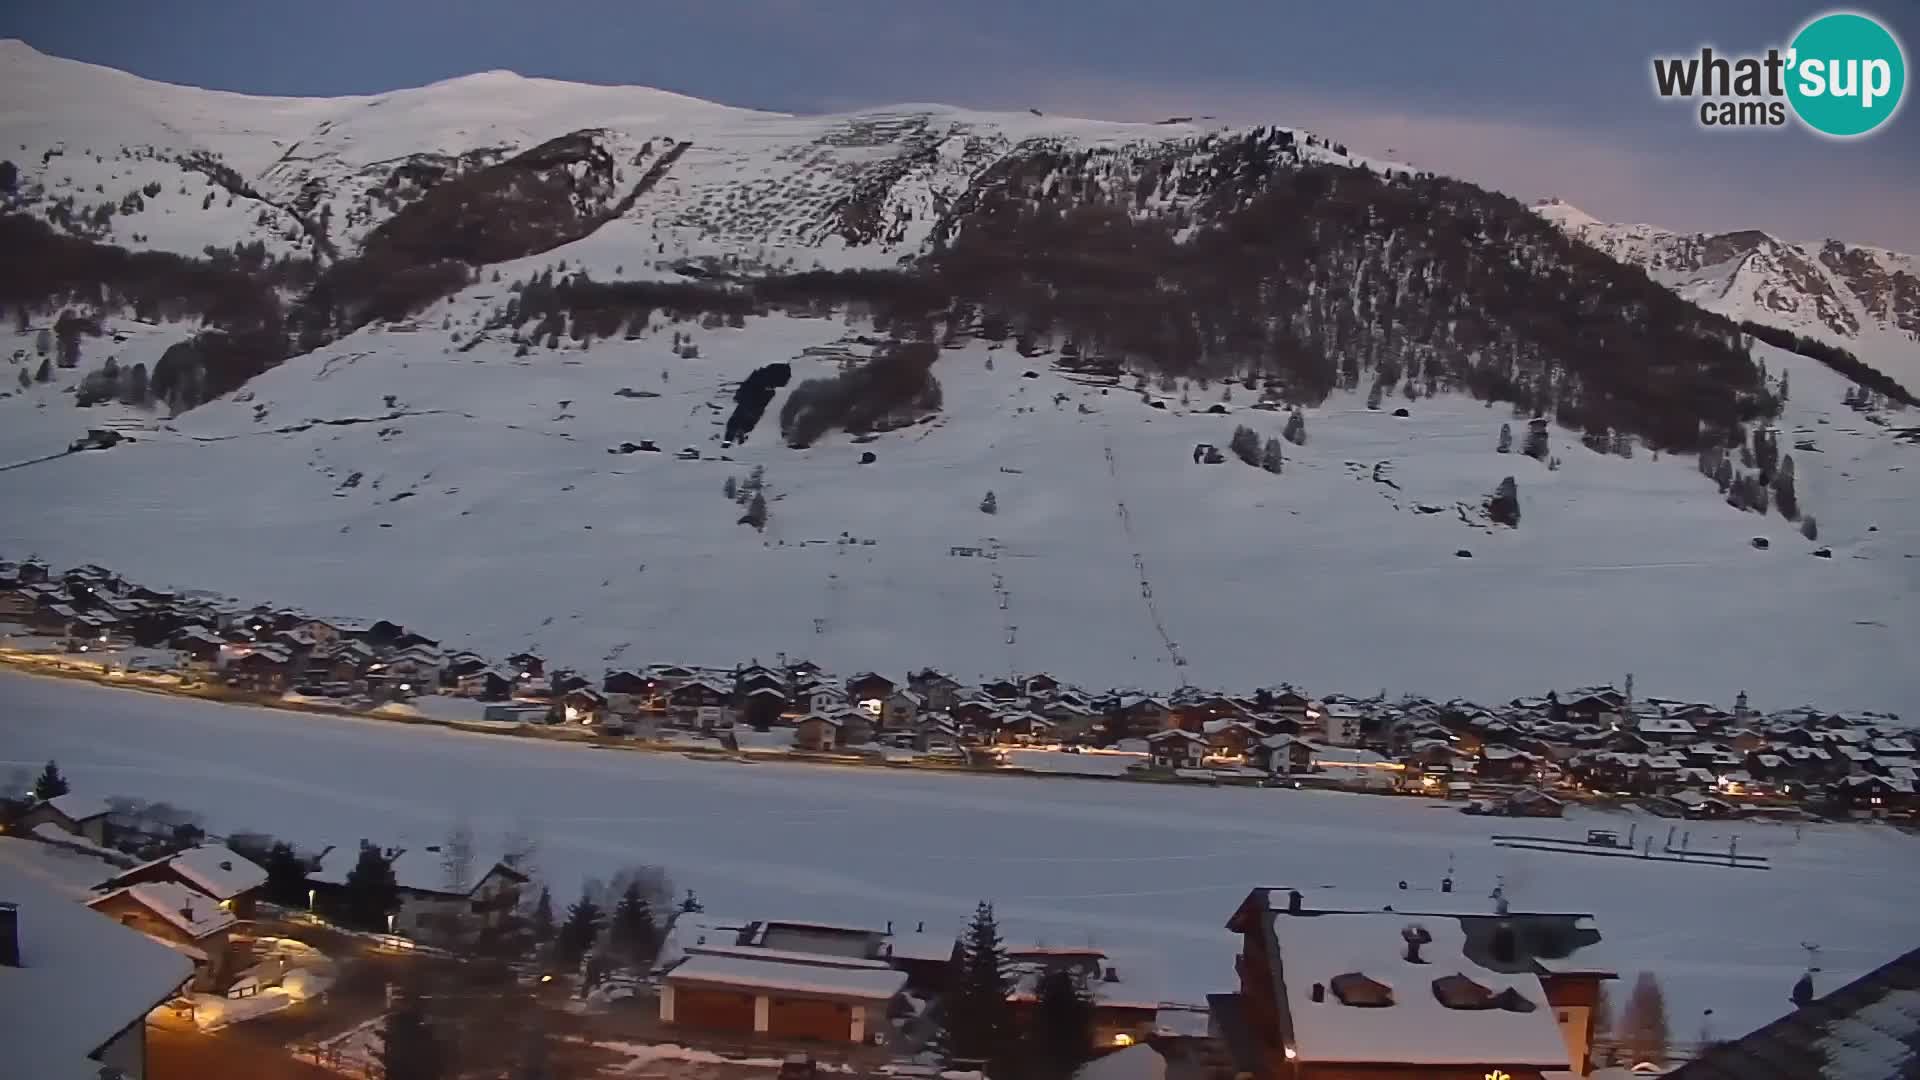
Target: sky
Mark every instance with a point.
(1532, 97)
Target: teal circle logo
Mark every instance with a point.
(1847, 74)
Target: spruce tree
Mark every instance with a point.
(1643, 1024)
(1504, 506)
(1505, 445)
(1374, 395)
(580, 931)
(731, 489)
(989, 505)
(286, 875)
(43, 373)
(372, 892)
(756, 514)
(540, 923)
(1245, 445)
(979, 1020)
(409, 1049)
(1536, 445)
(1270, 456)
(1296, 429)
(26, 378)
(1783, 494)
(635, 934)
(1062, 1032)
(1809, 528)
(50, 785)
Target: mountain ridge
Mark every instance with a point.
(1859, 297)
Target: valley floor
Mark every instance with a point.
(1148, 872)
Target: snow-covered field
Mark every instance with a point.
(1149, 871)
(483, 507)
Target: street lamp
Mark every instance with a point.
(310, 893)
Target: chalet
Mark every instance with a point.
(200, 648)
(1743, 739)
(1138, 716)
(584, 705)
(763, 707)
(1022, 728)
(76, 815)
(1126, 1001)
(1532, 802)
(1869, 796)
(819, 731)
(940, 689)
(1342, 723)
(937, 734)
(318, 630)
(1286, 703)
(260, 668)
(1041, 685)
(1604, 707)
(1699, 806)
(1352, 767)
(487, 684)
(699, 703)
(1504, 764)
(527, 666)
(213, 870)
(1072, 719)
(868, 686)
(439, 893)
(781, 992)
(1866, 1028)
(1001, 690)
(1413, 985)
(343, 661)
(1231, 738)
(459, 665)
(756, 677)
(825, 699)
(1176, 748)
(77, 987)
(976, 714)
(182, 917)
(1665, 730)
(927, 959)
(1283, 754)
(900, 709)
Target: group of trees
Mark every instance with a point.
(894, 388)
(1640, 1034)
(979, 1025)
(1770, 485)
(1246, 445)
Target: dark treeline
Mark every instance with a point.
(894, 388)
(1834, 357)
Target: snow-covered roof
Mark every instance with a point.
(1174, 733)
(1417, 1027)
(822, 978)
(213, 869)
(417, 868)
(78, 808)
(1665, 725)
(192, 913)
(82, 979)
(920, 945)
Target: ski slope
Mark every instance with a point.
(489, 512)
(1148, 872)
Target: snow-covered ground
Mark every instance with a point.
(483, 507)
(1150, 872)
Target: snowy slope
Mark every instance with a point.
(1150, 873)
(1864, 299)
(489, 510)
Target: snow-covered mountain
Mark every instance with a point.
(1863, 299)
(452, 318)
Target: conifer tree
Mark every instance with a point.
(979, 1020)
(582, 928)
(1270, 456)
(989, 505)
(50, 785)
(540, 923)
(409, 1049)
(1505, 445)
(1062, 1032)
(1643, 1024)
(1296, 429)
(635, 934)
(372, 892)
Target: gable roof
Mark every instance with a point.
(78, 808)
(82, 979)
(211, 868)
(1867, 1029)
(192, 913)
